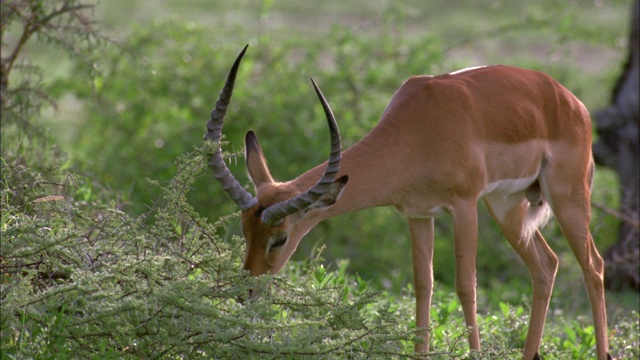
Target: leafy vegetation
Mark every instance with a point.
(98, 261)
(95, 282)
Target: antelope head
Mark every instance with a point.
(277, 217)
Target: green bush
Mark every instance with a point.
(87, 280)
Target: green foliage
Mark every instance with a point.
(92, 281)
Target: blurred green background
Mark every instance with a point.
(152, 94)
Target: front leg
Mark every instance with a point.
(465, 229)
(422, 251)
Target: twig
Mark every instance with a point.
(617, 214)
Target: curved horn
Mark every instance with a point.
(214, 131)
(274, 214)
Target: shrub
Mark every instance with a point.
(88, 280)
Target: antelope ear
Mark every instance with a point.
(256, 163)
(330, 196)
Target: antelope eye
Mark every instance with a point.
(278, 241)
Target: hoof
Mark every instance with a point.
(537, 357)
(609, 357)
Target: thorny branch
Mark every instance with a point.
(54, 21)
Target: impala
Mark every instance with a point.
(514, 138)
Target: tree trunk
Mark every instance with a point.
(618, 148)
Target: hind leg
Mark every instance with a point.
(465, 233)
(511, 213)
(569, 197)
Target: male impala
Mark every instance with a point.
(515, 138)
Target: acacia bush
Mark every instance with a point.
(90, 281)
